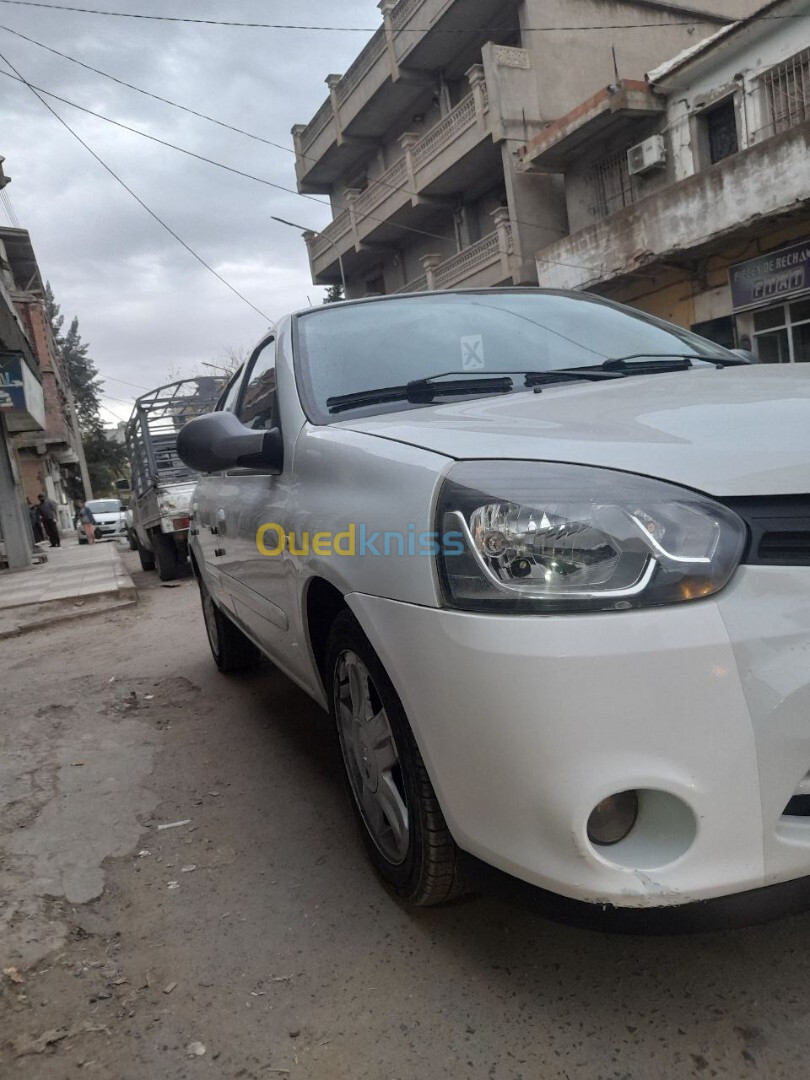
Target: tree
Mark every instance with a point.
(105, 460)
(333, 294)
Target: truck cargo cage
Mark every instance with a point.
(151, 432)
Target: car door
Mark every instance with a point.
(261, 586)
(207, 505)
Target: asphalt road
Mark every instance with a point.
(258, 932)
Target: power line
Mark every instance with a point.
(711, 21)
(246, 175)
(128, 189)
(148, 93)
(113, 378)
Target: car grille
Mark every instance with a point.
(778, 529)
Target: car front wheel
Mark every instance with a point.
(401, 822)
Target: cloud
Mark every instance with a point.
(148, 309)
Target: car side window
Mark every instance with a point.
(231, 393)
(257, 408)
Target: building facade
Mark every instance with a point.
(688, 192)
(416, 143)
(43, 456)
(22, 410)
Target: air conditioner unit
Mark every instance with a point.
(647, 155)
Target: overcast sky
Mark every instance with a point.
(149, 311)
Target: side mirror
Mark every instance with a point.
(219, 441)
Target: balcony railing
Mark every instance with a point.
(397, 178)
(417, 285)
(467, 262)
(471, 260)
(451, 125)
(362, 65)
(359, 69)
(330, 236)
(404, 11)
(391, 180)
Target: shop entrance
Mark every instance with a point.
(782, 334)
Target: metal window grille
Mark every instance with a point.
(787, 92)
(611, 185)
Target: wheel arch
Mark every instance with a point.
(322, 603)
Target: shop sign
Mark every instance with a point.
(771, 279)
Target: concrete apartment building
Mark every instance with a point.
(688, 192)
(42, 455)
(416, 143)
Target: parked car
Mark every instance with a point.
(110, 520)
(546, 561)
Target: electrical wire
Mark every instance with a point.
(129, 190)
(148, 93)
(113, 378)
(240, 172)
(710, 21)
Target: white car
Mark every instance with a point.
(109, 515)
(546, 560)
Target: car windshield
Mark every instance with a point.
(354, 348)
(104, 506)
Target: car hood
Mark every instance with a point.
(111, 518)
(735, 431)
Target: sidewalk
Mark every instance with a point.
(76, 580)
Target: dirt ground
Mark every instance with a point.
(254, 941)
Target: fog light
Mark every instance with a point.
(613, 818)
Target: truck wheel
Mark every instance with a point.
(132, 540)
(147, 558)
(232, 651)
(400, 818)
(166, 560)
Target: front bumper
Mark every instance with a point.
(110, 531)
(526, 723)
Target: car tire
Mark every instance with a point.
(147, 558)
(231, 649)
(166, 560)
(401, 822)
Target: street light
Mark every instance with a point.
(316, 232)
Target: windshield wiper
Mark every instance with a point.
(538, 379)
(619, 363)
(419, 392)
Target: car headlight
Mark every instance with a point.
(545, 537)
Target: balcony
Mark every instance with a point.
(395, 73)
(741, 196)
(459, 147)
(481, 265)
(613, 114)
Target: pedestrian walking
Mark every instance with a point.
(47, 513)
(36, 522)
(87, 521)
